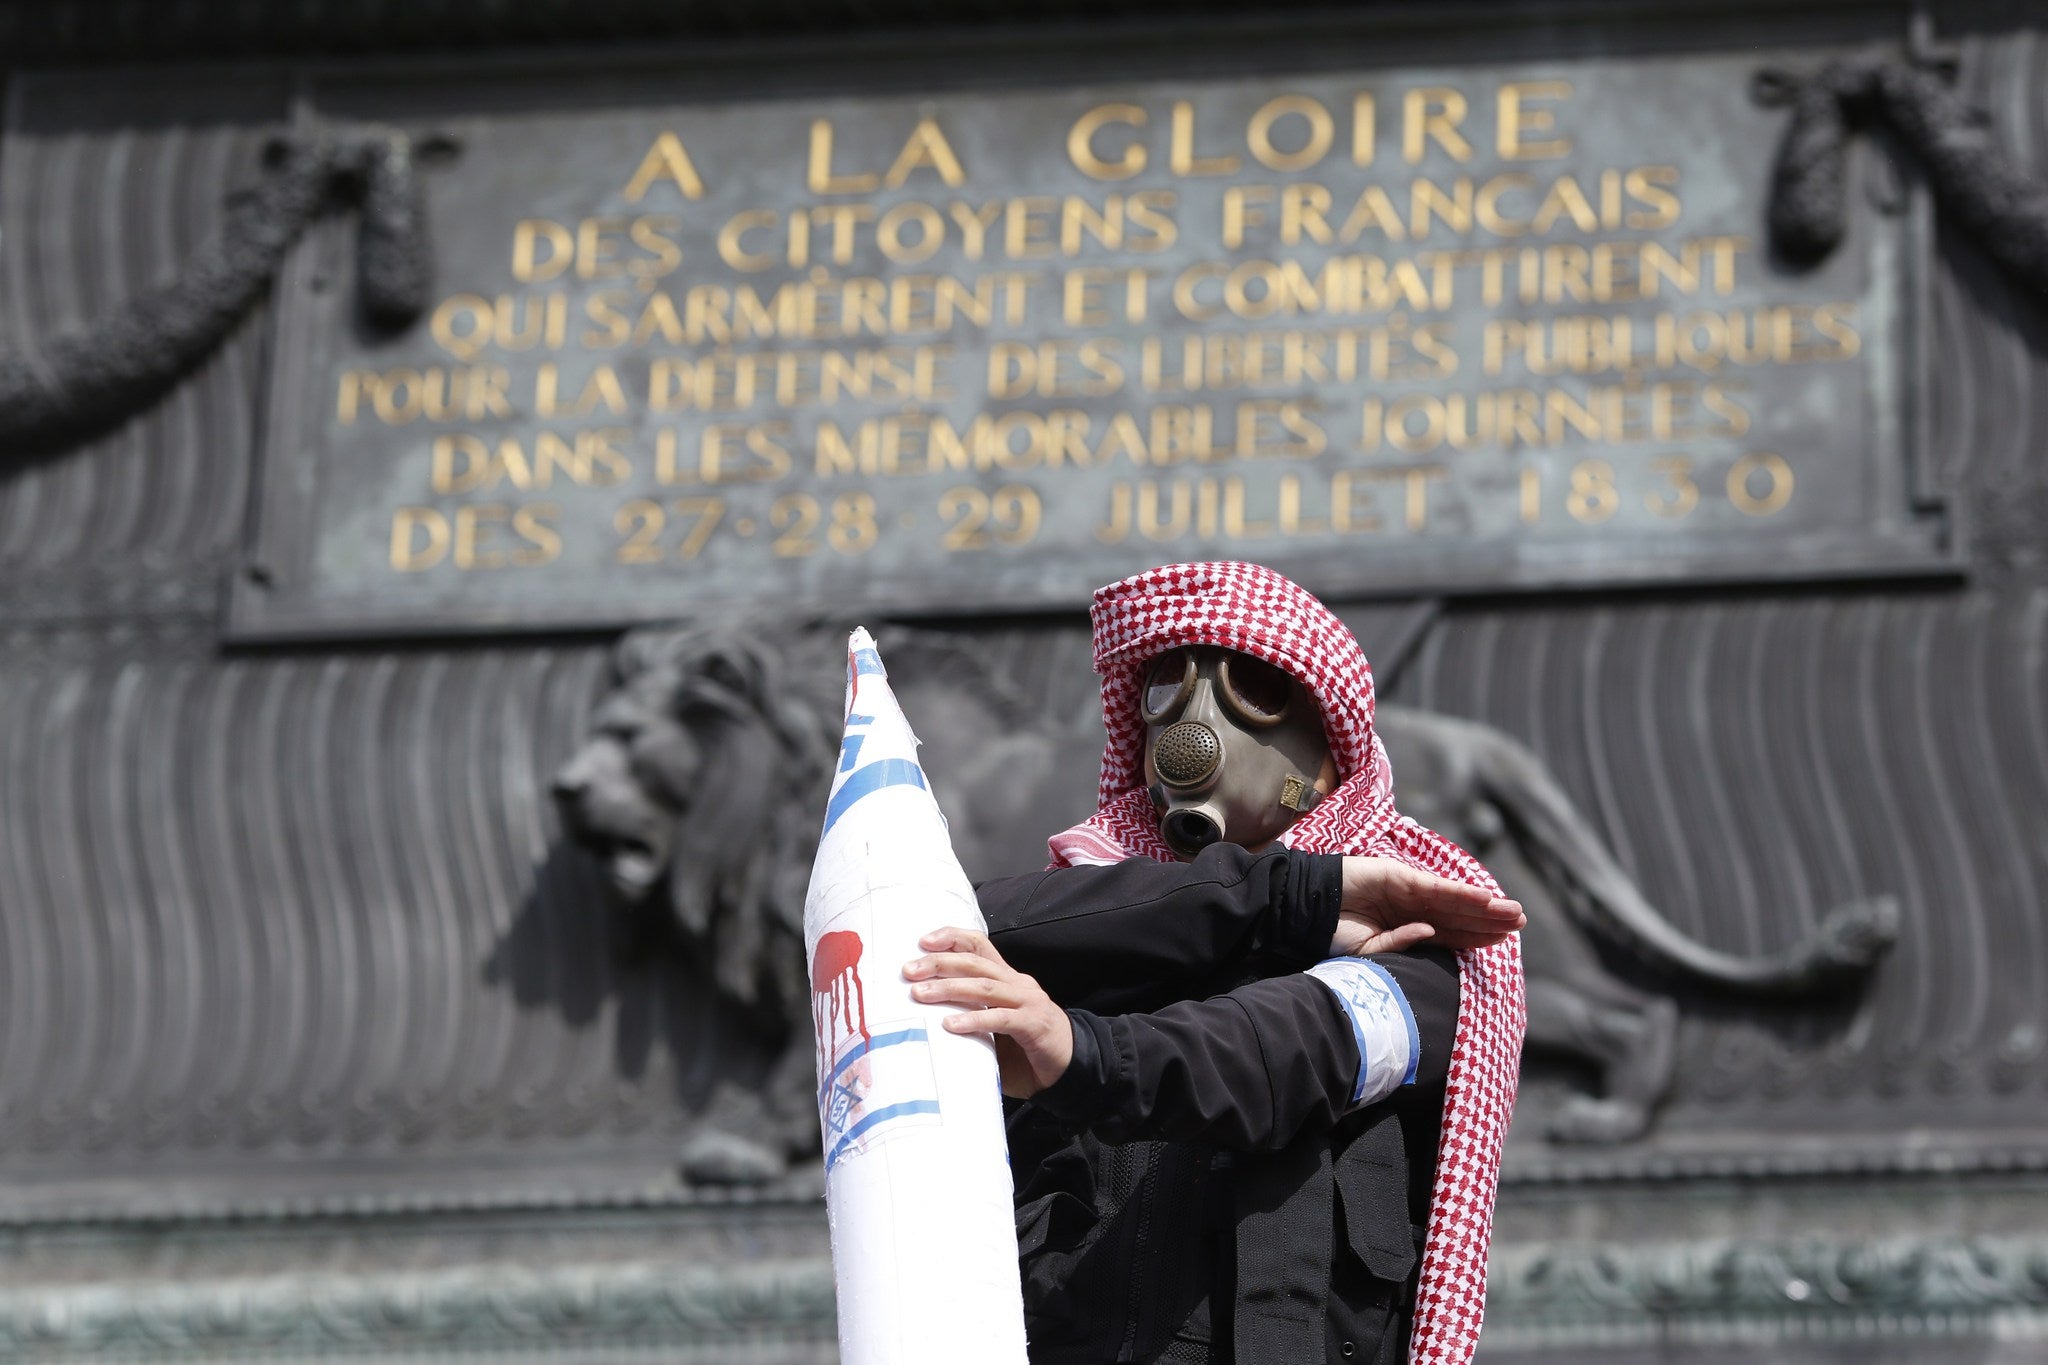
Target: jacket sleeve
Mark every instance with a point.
(1253, 1069)
(1138, 934)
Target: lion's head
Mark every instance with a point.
(697, 779)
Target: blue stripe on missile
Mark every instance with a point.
(849, 747)
(866, 661)
(888, 772)
(876, 1044)
(894, 1111)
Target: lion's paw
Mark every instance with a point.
(806, 1180)
(1588, 1120)
(1645, 1075)
(712, 1157)
(1856, 935)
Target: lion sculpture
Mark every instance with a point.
(700, 788)
(701, 783)
(1492, 795)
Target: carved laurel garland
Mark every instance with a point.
(93, 380)
(2004, 209)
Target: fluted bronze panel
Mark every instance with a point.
(305, 910)
(263, 915)
(1754, 763)
(94, 210)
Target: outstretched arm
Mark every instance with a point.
(1140, 934)
(1247, 1070)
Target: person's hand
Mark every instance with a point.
(1389, 906)
(1034, 1037)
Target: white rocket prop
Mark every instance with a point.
(917, 1175)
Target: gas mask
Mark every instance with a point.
(1234, 748)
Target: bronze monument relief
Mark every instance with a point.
(431, 454)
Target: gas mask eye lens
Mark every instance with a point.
(1255, 689)
(1168, 680)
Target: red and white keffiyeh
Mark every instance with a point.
(1256, 611)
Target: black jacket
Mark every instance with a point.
(1171, 1185)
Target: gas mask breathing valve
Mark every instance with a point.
(1188, 832)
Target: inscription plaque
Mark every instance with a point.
(1465, 329)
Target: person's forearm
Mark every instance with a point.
(1251, 1069)
(1247, 1071)
(1139, 933)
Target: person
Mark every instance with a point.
(1263, 1122)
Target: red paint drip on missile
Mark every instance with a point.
(837, 997)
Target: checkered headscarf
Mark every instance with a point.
(1256, 611)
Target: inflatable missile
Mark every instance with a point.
(917, 1172)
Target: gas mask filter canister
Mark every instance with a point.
(1234, 748)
